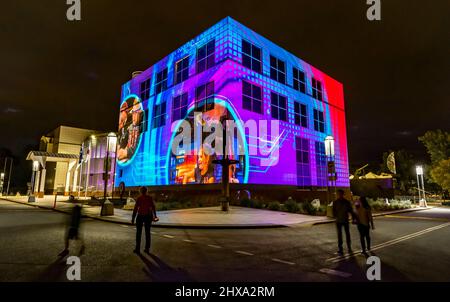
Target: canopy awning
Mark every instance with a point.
(42, 156)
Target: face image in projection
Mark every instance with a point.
(196, 166)
(130, 129)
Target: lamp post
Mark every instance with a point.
(225, 162)
(92, 142)
(31, 197)
(9, 176)
(107, 207)
(330, 155)
(2, 179)
(421, 186)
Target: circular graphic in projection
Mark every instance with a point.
(196, 167)
(130, 129)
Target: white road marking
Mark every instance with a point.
(282, 261)
(154, 233)
(215, 246)
(187, 240)
(244, 253)
(124, 226)
(391, 242)
(334, 272)
(168, 236)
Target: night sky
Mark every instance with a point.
(395, 71)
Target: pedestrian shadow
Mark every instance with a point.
(356, 265)
(56, 271)
(158, 271)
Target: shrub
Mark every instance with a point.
(307, 208)
(245, 202)
(161, 206)
(394, 204)
(274, 206)
(258, 204)
(291, 206)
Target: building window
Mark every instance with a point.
(302, 159)
(321, 164)
(161, 81)
(179, 107)
(181, 70)
(145, 89)
(159, 115)
(317, 89)
(278, 106)
(300, 114)
(145, 122)
(319, 122)
(277, 70)
(206, 56)
(251, 97)
(204, 97)
(251, 56)
(299, 81)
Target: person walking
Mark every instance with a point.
(144, 213)
(364, 220)
(73, 231)
(341, 210)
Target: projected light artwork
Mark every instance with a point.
(282, 107)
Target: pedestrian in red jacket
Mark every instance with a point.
(145, 210)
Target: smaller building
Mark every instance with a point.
(70, 161)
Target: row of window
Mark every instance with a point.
(303, 160)
(205, 59)
(251, 58)
(251, 100)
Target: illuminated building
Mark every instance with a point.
(230, 68)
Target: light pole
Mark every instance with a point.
(330, 155)
(92, 142)
(225, 162)
(31, 197)
(111, 140)
(2, 179)
(9, 176)
(421, 186)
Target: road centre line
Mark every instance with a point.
(282, 261)
(244, 253)
(214, 246)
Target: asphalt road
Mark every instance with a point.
(411, 247)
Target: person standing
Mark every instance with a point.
(365, 220)
(144, 214)
(341, 210)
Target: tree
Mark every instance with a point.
(441, 173)
(437, 143)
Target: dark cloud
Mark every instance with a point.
(395, 72)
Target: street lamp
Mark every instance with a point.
(111, 140)
(329, 146)
(33, 176)
(330, 155)
(2, 179)
(421, 186)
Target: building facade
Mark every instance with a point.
(230, 70)
(73, 161)
(55, 163)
